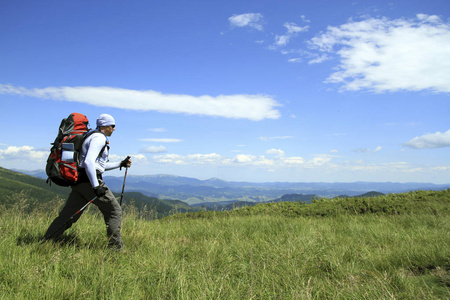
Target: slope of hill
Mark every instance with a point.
(151, 207)
(13, 183)
(296, 198)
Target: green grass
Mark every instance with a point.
(377, 250)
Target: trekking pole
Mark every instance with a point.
(124, 178)
(71, 218)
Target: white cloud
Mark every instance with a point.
(211, 158)
(248, 160)
(243, 158)
(390, 55)
(252, 107)
(277, 152)
(319, 161)
(293, 161)
(304, 19)
(154, 149)
(253, 20)
(196, 159)
(389, 167)
(138, 159)
(158, 129)
(431, 140)
(262, 161)
(23, 153)
(169, 159)
(161, 140)
(292, 31)
(319, 59)
(295, 60)
(367, 150)
(266, 139)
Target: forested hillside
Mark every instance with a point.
(12, 183)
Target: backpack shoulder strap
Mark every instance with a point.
(91, 132)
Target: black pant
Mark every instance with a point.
(81, 194)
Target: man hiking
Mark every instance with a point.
(90, 185)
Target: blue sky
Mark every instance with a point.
(332, 91)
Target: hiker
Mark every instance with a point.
(93, 163)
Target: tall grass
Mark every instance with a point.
(226, 256)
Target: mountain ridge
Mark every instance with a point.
(196, 191)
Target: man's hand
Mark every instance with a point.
(100, 190)
(126, 162)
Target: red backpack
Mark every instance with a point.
(62, 163)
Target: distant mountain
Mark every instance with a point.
(154, 206)
(195, 191)
(223, 205)
(214, 190)
(35, 173)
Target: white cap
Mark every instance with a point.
(105, 120)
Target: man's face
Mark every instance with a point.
(109, 130)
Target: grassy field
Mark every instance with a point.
(391, 247)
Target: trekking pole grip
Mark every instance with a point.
(123, 163)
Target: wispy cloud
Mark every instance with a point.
(304, 19)
(157, 129)
(28, 157)
(161, 140)
(253, 20)
(276, 152)
(197, 159)
(215, 159)
(252, 107)
(271, 138)
(389, 55)
(431, 140)
(319, 59)
(154, 149)
(367, 150)
(295, 60)
(292, 31)
(276, 159)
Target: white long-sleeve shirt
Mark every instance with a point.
(92, 160)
